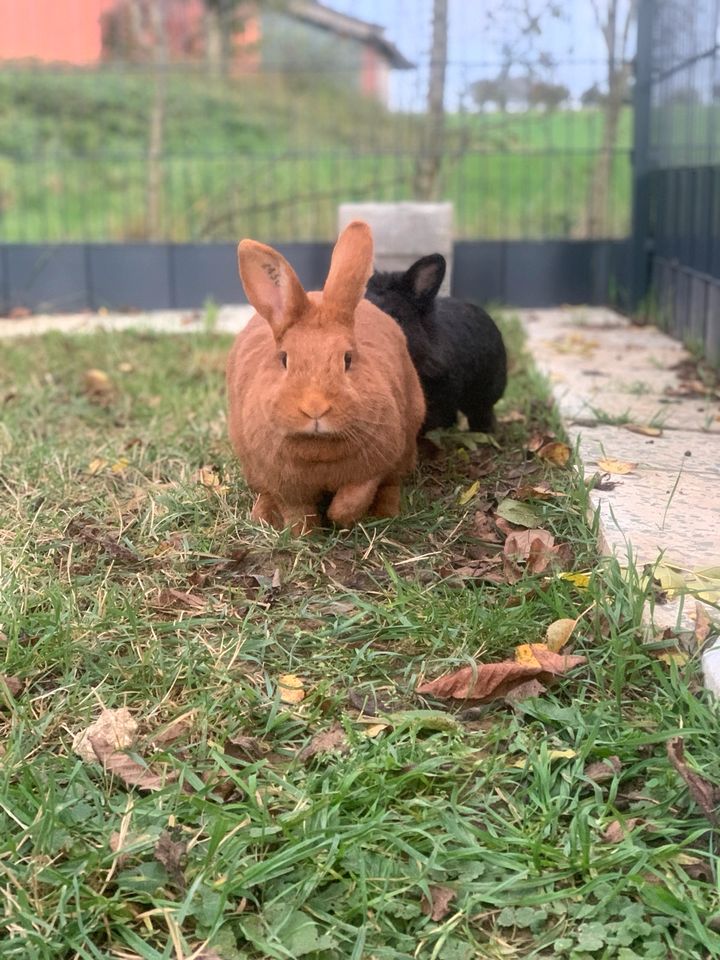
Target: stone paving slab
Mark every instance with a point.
(600, 368)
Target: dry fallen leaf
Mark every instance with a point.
(291, 688)
(467, 495)
(513, 417)
(618, 830)
(116, 846)
(525, 691)
(558, 634)
(175, 729)
(329, 741)
(536, 547)
(116, 727)
(644, 429)
(581, 580)
(555, 453)
(602, 770)
(97, 383)
(374, 730)
(484, 528)
(488, 681)
(130, 771)
(208, 477)
(171, 601)
(704, 793)
(249, 749)
(702, 624)
(12, 683)
(616, 466)
(96, 466)
(540, 491)
(438, 906)
(171, 854)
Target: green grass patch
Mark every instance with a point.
(280, 856)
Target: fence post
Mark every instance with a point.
(642, 97)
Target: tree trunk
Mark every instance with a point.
(214, 41)
(156, 133)
(427, 174)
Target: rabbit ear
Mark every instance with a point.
(350, 269)
(424, 278)
(271, 285)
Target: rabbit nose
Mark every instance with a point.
(315, 410)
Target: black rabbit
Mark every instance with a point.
(456, 348)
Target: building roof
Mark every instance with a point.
(311, 11)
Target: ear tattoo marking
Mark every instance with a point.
(272, 271)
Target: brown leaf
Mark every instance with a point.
(513, 417)
(488, 681)
(540, 491)
(12, 683)
(171, 854)
(702, 624)
(332, 740)
(245, 748)
(484, 528)
(85, 531)
(602, 770)
(618, 830)
(116, 728)
(536, 547)
(704, 793)
(174, 730)
(130, 771)
(525, 691)
(438, 906)
(172, 600)
(537, 440)
(555, 453)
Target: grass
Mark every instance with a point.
(329, 857)
(273, 158)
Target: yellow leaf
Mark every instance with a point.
(209, 478)
(291, 688)
(581, 580)
(558, 634)
(119, 465)
(555, 453)
(674, 656)
(97, 382)
(524, 654)
(467, 495)
(96, 465)
(643, 429)
(520, 764)
(375, 729)
(561, 754)
(669, 579)
(616, 466)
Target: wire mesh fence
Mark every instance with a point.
(139, 122)
(680, 167)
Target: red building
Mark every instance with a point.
(306, 34)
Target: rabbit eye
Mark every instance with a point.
(348, 360)
(283, 358)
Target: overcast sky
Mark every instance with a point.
(474, 50)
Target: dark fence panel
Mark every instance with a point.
(677, 162)
(65, 278)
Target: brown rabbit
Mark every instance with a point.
(323, 398)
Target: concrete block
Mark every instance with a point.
(404, 232)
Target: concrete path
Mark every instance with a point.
(229, 319)
(629, 394)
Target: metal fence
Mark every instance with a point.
(142, 140)
(677, 209)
